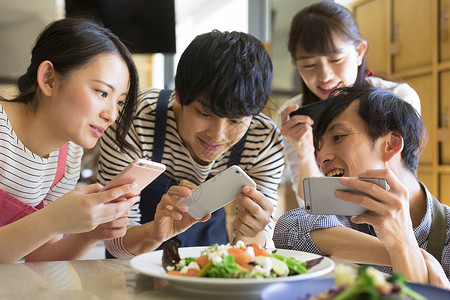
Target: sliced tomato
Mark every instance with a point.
(258, 250)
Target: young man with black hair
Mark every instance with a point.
(371, 133)
(212, 120)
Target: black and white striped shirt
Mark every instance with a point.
(29, 177)
(262, 158)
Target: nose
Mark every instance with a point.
(218, 129)
(325, 72)
(110, 112)
(324, 155)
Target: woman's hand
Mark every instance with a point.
(253, 214)
(84, 208)
(298, 130)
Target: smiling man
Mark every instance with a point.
(209, 122)
(371, 133)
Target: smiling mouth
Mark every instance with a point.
(330, 88)
(335, 173)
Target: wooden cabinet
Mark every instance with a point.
(444, 36)
(411, 38)
(376, 12)
(444, 121)
(444, 192)
(418, 35)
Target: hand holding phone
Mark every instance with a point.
(320, 199)
(313, 110)
(140, 171)
(217, 192)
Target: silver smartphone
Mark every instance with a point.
(320, 199)
(217, 192)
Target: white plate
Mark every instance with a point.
(150, 264)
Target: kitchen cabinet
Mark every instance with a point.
(411, 41)
(444, 36)
(411, 38)
(373, 19)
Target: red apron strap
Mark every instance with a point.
(61, 168)
(12, 209)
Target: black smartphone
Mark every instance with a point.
(313, 110)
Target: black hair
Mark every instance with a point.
(230, 73)
(314, 27)
(382, 112)
(71, 43)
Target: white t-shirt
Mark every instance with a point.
(402, 90)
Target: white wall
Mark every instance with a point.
(20, 23)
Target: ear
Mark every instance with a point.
(46, 77)
(177, 97)
(362, 50)
(393, 145)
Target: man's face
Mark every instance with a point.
(345, 148)
(206, 135)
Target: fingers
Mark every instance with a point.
(115, 193)
(257, 198)
(188, 184)
(254, 212)
(285, 113)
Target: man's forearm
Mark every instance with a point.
(349, 244)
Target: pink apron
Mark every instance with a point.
(12, 209)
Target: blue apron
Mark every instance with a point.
(200, 234)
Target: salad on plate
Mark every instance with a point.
(233, 261)
(367, 283)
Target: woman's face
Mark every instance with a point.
(324, 74)
(87, 101)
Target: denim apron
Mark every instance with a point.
(202, 233)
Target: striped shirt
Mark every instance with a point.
(293, 231)
(29, 177)
(262, 158)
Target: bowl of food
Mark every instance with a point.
(365, 283)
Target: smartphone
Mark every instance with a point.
(140, 171)
(217, 192)
(313, 110)
(320, 199)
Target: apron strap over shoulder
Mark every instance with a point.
(438, 230)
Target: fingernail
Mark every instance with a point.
(133, 186)
(246, 189)
(183, 206)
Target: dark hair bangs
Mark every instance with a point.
(316, 37)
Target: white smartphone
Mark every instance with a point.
(217, 192)
(140, 171)
(320, 199)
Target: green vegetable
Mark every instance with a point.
(362, 288)
(399, 280)
(295, 266)
(228, 268)
(204, 271)
(365, 287)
